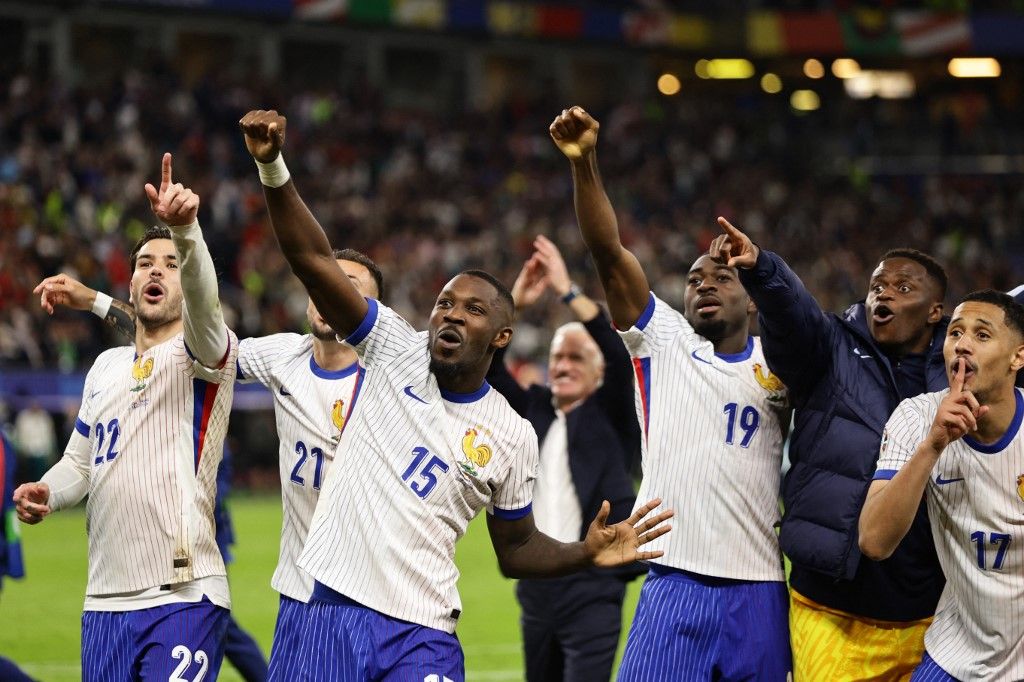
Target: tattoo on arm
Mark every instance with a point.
(121, 317)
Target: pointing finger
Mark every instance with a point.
(729, 228)
(166, 172)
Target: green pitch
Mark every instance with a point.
(40, 617)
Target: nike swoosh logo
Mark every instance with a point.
(408, 392)
(284, 391)
(943, 481)
(699, 358)
(861, 355)
(94, 394)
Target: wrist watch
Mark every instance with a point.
(574, 291)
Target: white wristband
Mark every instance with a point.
(275, 173)
(101, 306)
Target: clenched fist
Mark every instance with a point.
(264, 134)
(575, 133)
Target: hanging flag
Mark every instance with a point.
(926, 33)
(467, 15)
(419, 13)
(559, 22)
(764, 33)
(869, 32)
(512, 19)
(647, 28)
(321, 10)
(689, 31)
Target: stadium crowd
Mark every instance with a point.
(429, 193)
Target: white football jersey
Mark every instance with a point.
(310, 407)
(712, 447)
(976, 509)
(148, 439)
(419, 463)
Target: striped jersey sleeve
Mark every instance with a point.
(69, 477)
(257, 356)
(382, 336)
(656, 327)
(904, 431)
(513, 498)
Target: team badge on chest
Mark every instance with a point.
(478, 455)
(338, 414)
(141, 370)
(769, 382)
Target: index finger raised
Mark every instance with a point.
(729, 228)
(166, 173)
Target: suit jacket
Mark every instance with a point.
(603, 432)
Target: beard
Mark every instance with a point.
(155, 317)
(322, 332)
(713, 330)
(446, 369)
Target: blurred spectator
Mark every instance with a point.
(36, 436)
(427, 194)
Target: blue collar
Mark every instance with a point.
(453, 397)
(331, 374)
(741, 356)
(1011, 432)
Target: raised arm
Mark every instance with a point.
(892, 504)
(795, 333)
(302, 240)
(574, 131)
(177, 206)
(64, 290)
(525, 552)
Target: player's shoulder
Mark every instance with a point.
(283, 344)
(923, 405)
(113, 356)
(514, 425)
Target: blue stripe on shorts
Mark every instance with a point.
(287, 646)
(693, 627)
(184, 639)
(344, 641)
(929, 671)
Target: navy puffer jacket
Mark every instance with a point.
(843, 390)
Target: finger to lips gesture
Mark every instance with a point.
(174, 204)
(958, 412)
(618, 544)
(733, 248)
(264, 133)
(574, 132)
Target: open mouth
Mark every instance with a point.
(969, 369)
(882, 314)
(708, 305)
(562, 378)
(153, 293)
(449, 338)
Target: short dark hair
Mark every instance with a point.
(503, 292)
(930, 265)
(359, 257)
(151, 233)
(1013, 311)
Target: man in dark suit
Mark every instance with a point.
(589, 435)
